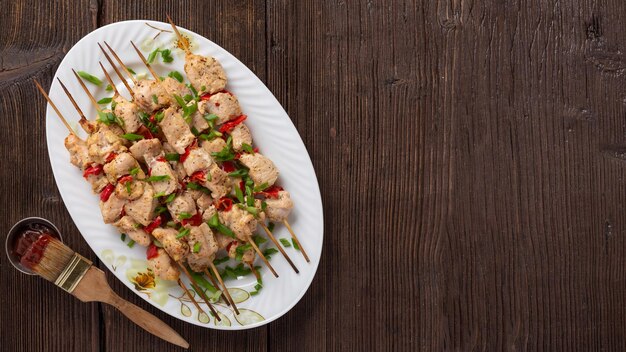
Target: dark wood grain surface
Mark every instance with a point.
(470, 154)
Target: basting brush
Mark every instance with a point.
(51, 259)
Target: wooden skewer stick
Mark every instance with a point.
(295, 238)
(119, 74)
(132, 78)
(145, 62)
(214, 283)
(182, 40)
(199, 291)
(82, 84)
(280, 248)
(45, 95)
(84, 123)
(182, 285)
(254, 271)
(219, 278)
(258, 251)
(106, 74)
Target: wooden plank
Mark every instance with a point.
(37, 315)
(239, 28)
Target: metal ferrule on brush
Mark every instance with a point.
(73, 273)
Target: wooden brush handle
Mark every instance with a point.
(94, 287)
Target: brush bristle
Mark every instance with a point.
(55, 258)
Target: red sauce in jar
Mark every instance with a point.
(31, 242)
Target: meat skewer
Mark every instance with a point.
(72, 133)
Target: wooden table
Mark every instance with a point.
(471, 158)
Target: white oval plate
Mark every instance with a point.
(273, 133)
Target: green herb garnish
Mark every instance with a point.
(157, 178)
(261, 187)
(104, 101)
(130, 70)
(214, 222)
(239, 173)
(108, 88)
(196, 247)
(259, 240)
(155, 99)
(159, 194)
(247, 147)
(160, 209)
(269, 252)
(132, 136)
(157, 243)
(295, 244)
(197, 187)
(183, 233)
(224, 155)
(184, 216)
(166, 55)
(239, 194)
(221, 260)
(170, 198)
(270, 226)
(172, 157)
(89, 77)
(285, 242)
(145, 119)
(131, 243)
(123, 237)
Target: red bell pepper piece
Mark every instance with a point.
(199, 176)
(93, 170)
(125, 179)
(110, 157)
(271, 192)
(145, 132)
(228, 166)
(106, 192)
(224, 204)
(228, 126)
(152, 251)
(188, 150)
(153, 225)
(195, 220)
